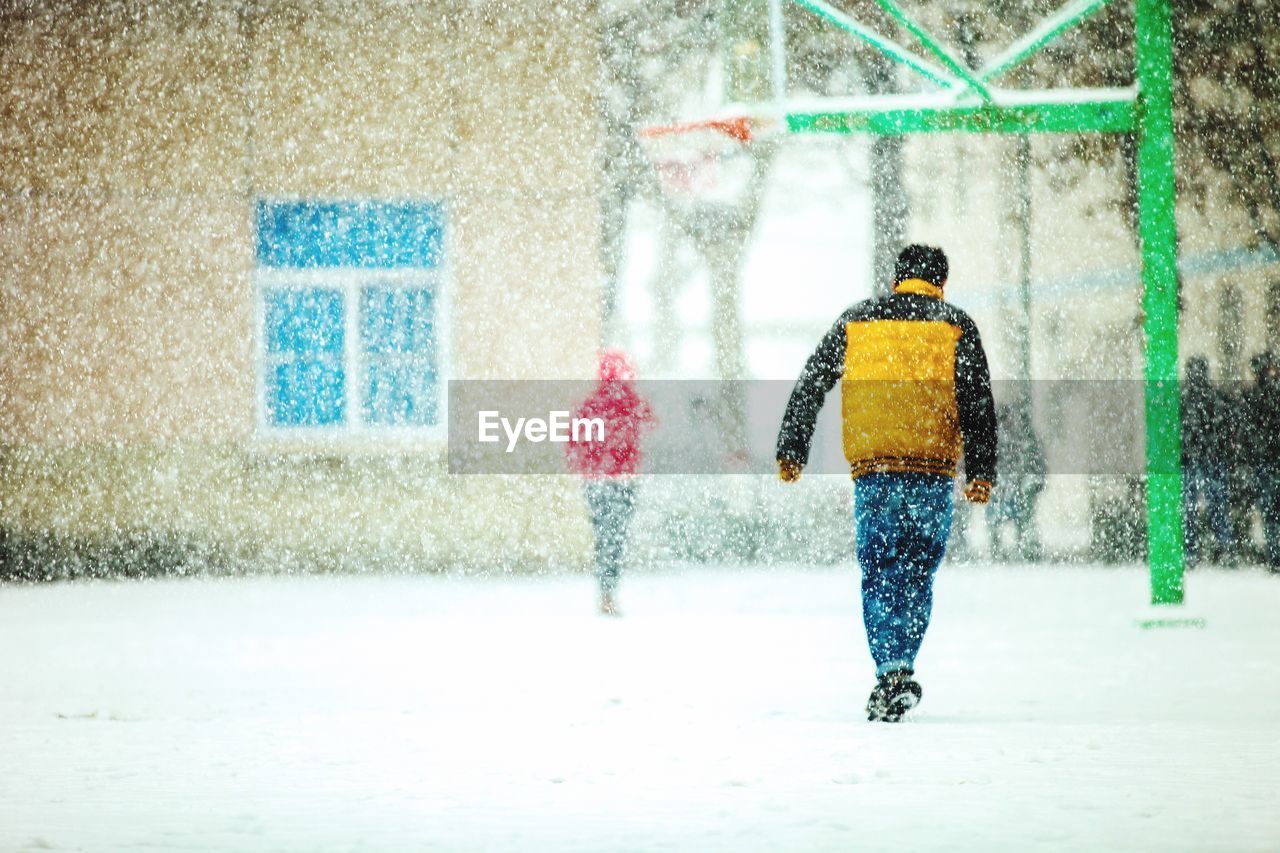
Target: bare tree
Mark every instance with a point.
(655, 54)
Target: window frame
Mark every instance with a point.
(349, 281)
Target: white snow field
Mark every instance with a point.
(723, 712)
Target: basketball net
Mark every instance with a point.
(706, 161)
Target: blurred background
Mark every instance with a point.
(245, 245)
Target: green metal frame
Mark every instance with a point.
(954, 65)
(887, 46)
(1032, 116)
(967, 104)
(1157, 229)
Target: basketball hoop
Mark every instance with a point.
(737, 128)
(704, 161)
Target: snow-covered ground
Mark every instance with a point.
(724, 712)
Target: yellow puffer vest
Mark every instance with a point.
(898, 393)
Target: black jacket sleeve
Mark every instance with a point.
(976, 406)
(821, 372)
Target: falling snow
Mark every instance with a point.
(257, 257)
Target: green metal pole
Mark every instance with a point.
(1157, 230)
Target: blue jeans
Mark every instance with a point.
(903, 521)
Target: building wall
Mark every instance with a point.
(137, 138)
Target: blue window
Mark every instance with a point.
(306, 376)
(397, 332)
(351, 324)
(357, 234)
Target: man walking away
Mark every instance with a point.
(916, 393)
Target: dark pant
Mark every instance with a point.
(1207, 484)
(612, 504)
(1267, 483)
(903, 521)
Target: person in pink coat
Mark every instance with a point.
(609, 466)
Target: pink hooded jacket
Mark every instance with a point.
(625, 414)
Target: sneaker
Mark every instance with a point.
(895, 694)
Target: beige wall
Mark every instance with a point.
(137, 135)
(126, 317)
(135, 138)
(155, 507)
